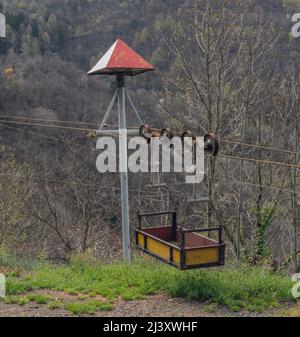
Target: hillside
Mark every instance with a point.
(225, 67)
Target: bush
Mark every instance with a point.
(254, 289)
(88, 308)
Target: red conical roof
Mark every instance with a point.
(121, 59)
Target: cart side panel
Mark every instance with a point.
(158, 248)
(176, 256)
(196, 240)
(162, 233)
(141, 240)
(202, 256)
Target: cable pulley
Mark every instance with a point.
(211, 141)
(211, 144)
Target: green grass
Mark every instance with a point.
(88, 308)
(210, 307)
(23, 300)
(40, 298)
(54, 305)
(254, 289)
(11, 300)
(109, 281)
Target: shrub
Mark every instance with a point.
(254, 289)
(88, 308)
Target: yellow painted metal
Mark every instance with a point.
(176, 256)
(158, 248)
(141, 240)
(202, 256)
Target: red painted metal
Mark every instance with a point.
(121, 59)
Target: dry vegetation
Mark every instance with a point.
(232, 70)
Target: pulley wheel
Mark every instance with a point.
(145, 132)
(167, 132)
(187, 134)
(211, 144)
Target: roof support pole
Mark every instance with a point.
(111, 105)
(123, 162)
(134, 108)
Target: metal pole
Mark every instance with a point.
(123, 168)
(111, 105)
(134, 108)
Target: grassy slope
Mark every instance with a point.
(254, 289)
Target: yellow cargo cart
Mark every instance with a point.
(180, 247)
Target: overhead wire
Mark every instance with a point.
(259, 146)
(291, 165)
(139, 190)
(59, 140)
(48, 120)
(48, 126)
(56, 121)
(112, 125)
(271, 187)
(261, 161)
(46, 179)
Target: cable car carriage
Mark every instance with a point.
(180, 247)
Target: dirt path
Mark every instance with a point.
(154, 306)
